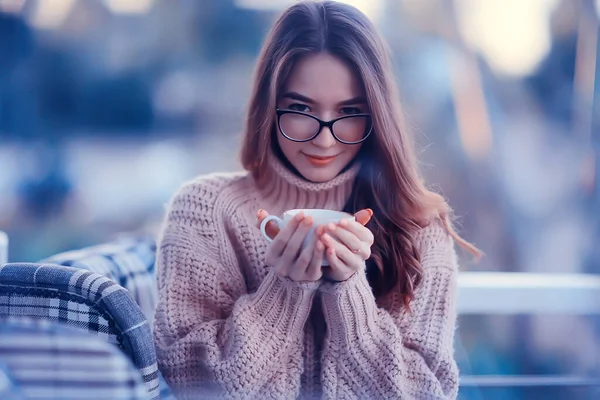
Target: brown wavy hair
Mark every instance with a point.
(388, 156)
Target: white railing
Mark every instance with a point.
(526, 381)
(511, 293)
(528, 293)
(3, 248)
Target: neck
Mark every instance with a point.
(281, 189)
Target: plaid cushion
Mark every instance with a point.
(84, 300)
(128, 261)
(8, 388)
(52, 361)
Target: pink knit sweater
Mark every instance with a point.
(227, 326)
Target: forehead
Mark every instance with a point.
(325, 79)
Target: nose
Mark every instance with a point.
(324, 139)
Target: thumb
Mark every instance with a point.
(271, 229)
(363, 216)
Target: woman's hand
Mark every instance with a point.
(348, 246)
(285, 254)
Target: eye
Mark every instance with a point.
(299, 107)
(350, 110)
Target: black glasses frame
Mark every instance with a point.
(329, 124)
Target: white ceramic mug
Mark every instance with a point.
(320, 217)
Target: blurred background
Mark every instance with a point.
(108, 106)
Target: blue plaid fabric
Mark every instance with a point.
(8, 388)
(84, 300)
(128, 261)
(52, 361)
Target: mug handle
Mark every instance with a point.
(263, 225)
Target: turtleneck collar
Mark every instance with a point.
(281, 189)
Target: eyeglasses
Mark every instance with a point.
(298, 126)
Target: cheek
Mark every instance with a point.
(352, 150)
(288, 148)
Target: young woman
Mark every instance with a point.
(239, 317)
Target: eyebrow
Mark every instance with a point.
(302, 98)
(299, 97)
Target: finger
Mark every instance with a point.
(280, 242)
(363, 216)
(260, 216)
(314, 272)
(338, 269)
(305, 257)
(271, 229)
(344, 236)
(293, 245)
(362, 233)
(342, 252)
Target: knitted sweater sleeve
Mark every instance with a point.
(213, 338)
(373, 353)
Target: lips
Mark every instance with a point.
(319, 161)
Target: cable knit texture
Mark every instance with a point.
(227, 327)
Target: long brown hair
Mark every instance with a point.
(388, 156)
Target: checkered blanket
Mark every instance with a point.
(84, 300)
(128, 261)
(52, 361)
